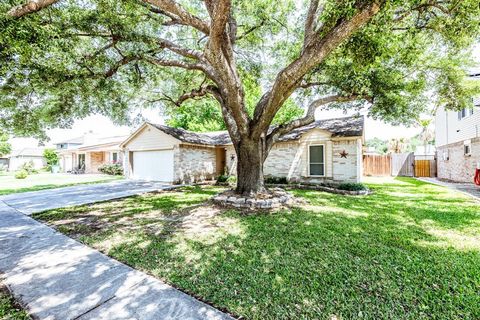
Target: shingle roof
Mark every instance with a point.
(77, 140)
(339, 127)
(206, 138)
(28, 152)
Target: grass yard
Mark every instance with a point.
(409, 251)
(42, 181)
(9, 309)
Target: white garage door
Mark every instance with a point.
(153, 165)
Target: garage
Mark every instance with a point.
(153, 165)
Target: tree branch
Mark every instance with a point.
(173, 10)
(250, 30)
(174, 63)
(188, 53)
(29, 7)
(306, 85)
(309, 117)
(219, 54)
(219, 11)
(312, 55)
(125, 60)
(310, 21)
(196, 93)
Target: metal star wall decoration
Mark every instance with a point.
(343, 154)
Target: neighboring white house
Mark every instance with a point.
(89, 152)
(457, 138)
(19, 157)
(326, 150)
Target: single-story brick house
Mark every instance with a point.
(326, 150)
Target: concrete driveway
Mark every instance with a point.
(37, 201)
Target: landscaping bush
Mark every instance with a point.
(222, 178)
(352, 186)
(22, 174)
(232, 181)
(113, 169)
(52, 159)
(276, 180)
(29, 167)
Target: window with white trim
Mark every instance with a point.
(464, 113)
(467, 148)
(114, 157)
(316, 160)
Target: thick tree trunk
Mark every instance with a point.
(250, 160)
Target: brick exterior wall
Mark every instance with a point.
(458, 167)
(93, 161)
(284, 160)
(194, 164)
(290, 159)
(349, 168)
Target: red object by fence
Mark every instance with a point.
(477, 177)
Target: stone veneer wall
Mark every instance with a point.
(194, 164)
(347, 169)
(459, 167)
(284, 160)
(290, 159)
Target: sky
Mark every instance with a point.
(104, 127)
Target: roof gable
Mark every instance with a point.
(148, 131)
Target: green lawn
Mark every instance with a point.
(409, 251)
(42, 181)
(9, 309)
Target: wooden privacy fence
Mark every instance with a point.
(399, 164)
(377, 165)
(422, 168)
(403, 164)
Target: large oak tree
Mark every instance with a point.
(65, 59)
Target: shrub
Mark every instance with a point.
(232, 181)
(51, 157)
(114, 169)
(276, 180)
(29, 167)
(222, 178)
(352, 186)
(22, 174)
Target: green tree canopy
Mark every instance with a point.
(5, 146)
(76, 58)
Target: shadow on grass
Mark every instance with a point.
(345, 257)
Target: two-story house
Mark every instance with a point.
(89, 152)
(457, 138)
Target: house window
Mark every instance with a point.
(317, 160)
(445, 155)
(465, 113)
(114, 157)
(467, 149)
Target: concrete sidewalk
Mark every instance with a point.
(55, 277)
(468, 189)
